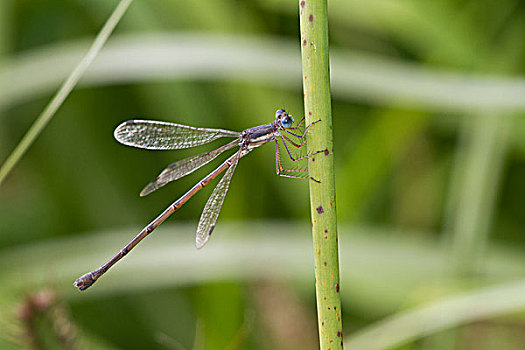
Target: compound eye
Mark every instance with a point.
(286, 121)
(279, 113)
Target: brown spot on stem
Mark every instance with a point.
(304, 42)
(337, 287)
(326, 152)
(303, 3)
(320, 209)
(311, 18)
(325, 263)
(309, 113)
(339, 334)
(326, 231)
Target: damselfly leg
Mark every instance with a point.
(305, 130)
(299, 136)
(280, 170)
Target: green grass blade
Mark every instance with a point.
(317, 105)
(484, 303)
(43, 119)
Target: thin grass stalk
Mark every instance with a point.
(479, 167)
(47, 114)
(317, 105)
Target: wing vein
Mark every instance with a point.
(158, 135)
(184, 167)
(213, 206)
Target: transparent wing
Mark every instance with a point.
(211, 211)
(157, 135)
(184, 167)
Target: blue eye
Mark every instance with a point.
(287, 121)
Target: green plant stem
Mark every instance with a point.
(43, 119)
(317, 105)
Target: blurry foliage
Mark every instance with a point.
(400, 165)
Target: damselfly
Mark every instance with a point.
(156, 135)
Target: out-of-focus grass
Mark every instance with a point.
(403, 263)
(489, 302)
(380, 258)
(479, 165)
(410, 79)
(267, 60)
(4, 27)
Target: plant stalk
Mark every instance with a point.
(317, 106)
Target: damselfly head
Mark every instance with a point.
(285, 119)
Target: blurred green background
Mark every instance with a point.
(429, 132)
